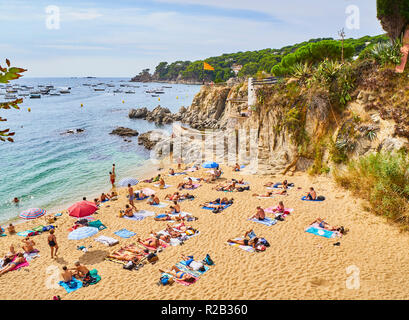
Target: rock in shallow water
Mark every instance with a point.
(125, 132)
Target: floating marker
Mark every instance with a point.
(29, 109)
(158, 99)
(82, 105)
(177, 97)
(123, 101)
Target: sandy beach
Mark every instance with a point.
(298, 265)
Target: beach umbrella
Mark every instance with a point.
(124, 182)
(82, 209)
(32, 213)
(210, 165)
(82, 233)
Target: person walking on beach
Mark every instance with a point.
(131, 196)
(52, 242)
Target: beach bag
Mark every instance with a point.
(152, 258)
(208, 260)
(321, 198)
(129, 266)
(164, 280)
(260, 247)
(216, 210)
(264, 242)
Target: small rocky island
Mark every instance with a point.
(125, 132)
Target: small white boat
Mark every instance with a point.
(65, 91)
(35, 96)
(10, 96)
(99, 89)
(129, 91)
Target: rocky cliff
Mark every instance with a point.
(302, 128)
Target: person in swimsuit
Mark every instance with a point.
(80, 271)
(280, 208)
(11, 229)
(66, 274)
(191, 264)
(28, 246)
(154, 200)
(12, 265)
(326, 226)
(171, 171)
(52, 242)
(128, 211)
(312, 195)
(161, 183)
(114, 196)
(156, 179)
(260, 215)
(154, 243)
(104, 197)
(269, 194)
(96, 202)
(178, 274)
(131, 196)
(236, 167)
(175, 196)
(167, 217)
(245, 242)
(112, 179)
(175, 208)
(16, 201)
(162, 237)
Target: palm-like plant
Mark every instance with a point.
(301, 71)
(387, 52)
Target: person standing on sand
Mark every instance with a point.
(52, 242)
(131, 196)
(112, 178)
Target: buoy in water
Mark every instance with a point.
(177, 97)
(123, 101)
(29, 109)
(82, 105)
(158, 99)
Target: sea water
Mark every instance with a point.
(47, 169)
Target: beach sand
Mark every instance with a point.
(298, 265)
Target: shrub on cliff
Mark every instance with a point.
(394, 16)
(313, 54)
(383, 180)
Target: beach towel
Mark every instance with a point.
(74, 283)
(273, 209)
(32, 255)
(193, 187)
(95, 278)
(222, 208)
(265, 197)
(182, 266)
(106, 240)
(140, 199)
(26, 233)
(278, 187)
(160, 205)
(176, 174)
(321, 232)
(192, 178)
(245, 248)
(124, 233)
(59, 214)
(305, 199)
(39, 228)
(97, 224)
(267, 221)
(140, 215)
(165, 187)
(178, 280)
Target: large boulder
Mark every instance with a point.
(139, 113)
(125, 132)
(151, 138)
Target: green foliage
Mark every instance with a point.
(253, 62)
(385, 53)
(301, 72)
(318, 167)
(8, 74)
(313, 54)
(383, 180)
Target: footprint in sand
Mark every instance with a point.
(317, 282)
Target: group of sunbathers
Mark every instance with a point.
(12, 259)
(232, 186)
(186, 185)
(106, 197)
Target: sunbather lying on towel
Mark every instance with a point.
(186, 196)
(175, 196)
(140, 195)
(162, 237)
(19, 259)
(178, 274)
(154, 243)
(126, 256)
(183, 228)
(173, 233)
(326, 226)
(153, 200)
(245, 242)
(167, 217)
(260, 214)
(192, 264)
(103, 197)
(267, 195)
(229, 187)
(186, 185)
(171, 171)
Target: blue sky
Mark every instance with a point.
(121, 37)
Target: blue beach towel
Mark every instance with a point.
(305, 199)
(182, 266)
(320, 232)
(160, 205)
(123, 233)
(76, 284)
(25, 233)
(267, 221)
(222, 208)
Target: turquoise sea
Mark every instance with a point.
(47, 169)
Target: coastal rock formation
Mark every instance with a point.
(151, 138)
(72, 131)
(159, 115)
(140, 113)
(124, 132)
